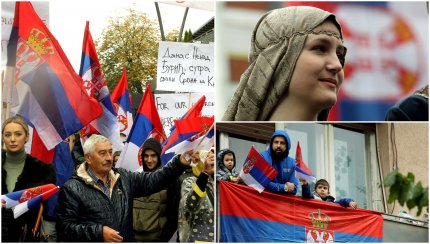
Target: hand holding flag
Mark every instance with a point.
(22, 201)
(302, 171)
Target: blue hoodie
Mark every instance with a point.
(285, 167)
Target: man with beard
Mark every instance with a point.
(277, 156)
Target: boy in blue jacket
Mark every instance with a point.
(322, 192)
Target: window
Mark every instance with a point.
(344, 157)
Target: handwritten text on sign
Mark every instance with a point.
(187, 67)
(173, 106)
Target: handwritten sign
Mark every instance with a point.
(173, 106)
(185, 67)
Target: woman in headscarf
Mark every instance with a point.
(296, 67)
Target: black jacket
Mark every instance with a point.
(83, 209)
(34, 173)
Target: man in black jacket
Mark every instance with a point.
(96, 203)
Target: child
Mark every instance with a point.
(226, 162)
(322, 192)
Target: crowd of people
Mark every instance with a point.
(101, 203)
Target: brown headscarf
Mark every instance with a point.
(276, 43)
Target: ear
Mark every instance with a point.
(87, 158)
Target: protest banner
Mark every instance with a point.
(185, 67)
(173, 106)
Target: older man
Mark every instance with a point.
(96, 203)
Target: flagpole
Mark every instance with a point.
(9, 90)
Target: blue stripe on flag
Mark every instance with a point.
(259, 176)
(86, 63)
(355, 110)
(141, 129)
(124, 101)
(51, 96)
(242, 229)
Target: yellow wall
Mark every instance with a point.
(410, 142)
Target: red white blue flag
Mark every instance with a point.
(15, 198)
(256, 172)
(146, 125)
(94, 83)
(302, 171)
(122, 102)
(174, 139)
(22, 208)
(50, 93)
(196, 134)
(247, 216)
(387, 57)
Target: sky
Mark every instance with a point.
(67, 20)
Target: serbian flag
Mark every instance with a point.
(302, 171)
(15, 198)
(146, 125)
(247, 216)
(174, 139)
(387, 57)
(50, 93)
(256, 172)
(122, 102)
(194, 134)
(194, 142)
(94, 83)
(22, 208)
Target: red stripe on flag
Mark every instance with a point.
(262, 164)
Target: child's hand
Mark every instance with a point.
(353, 205)
(235, 179)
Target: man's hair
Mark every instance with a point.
(17, 120)
(322, 182)
(90, 142)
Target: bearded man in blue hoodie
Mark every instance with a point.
(277, 156)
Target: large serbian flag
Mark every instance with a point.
(256, 172)
(50, 93)
(387, 57)
(247, 216)
(122, 102)
(146, 125)
(94, 83)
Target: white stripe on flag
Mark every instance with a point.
(129, 158)
(107, 125)
(250, 181)
(47, 133)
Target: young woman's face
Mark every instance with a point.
(14, 137)
(318, 73)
